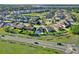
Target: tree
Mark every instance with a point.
(11, 29)
(23, 31)
(75, 29)
(16, 30)
(8, 28)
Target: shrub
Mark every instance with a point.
(75, 29)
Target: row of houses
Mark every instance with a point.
(25, 19)
(18, 12)
(38, 30)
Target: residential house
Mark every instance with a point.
(19, 25)
(70, 20)
(40, 30)
(50, 29)
(67, 24)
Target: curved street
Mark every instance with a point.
(67, 48)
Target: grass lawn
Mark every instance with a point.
(55, 39)
(2, 31)
(41, 15)
(13, 47)
(71, 38)
(7, 21)
(36, 14)
(76, 14)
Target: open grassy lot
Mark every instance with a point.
(61, 39)
(13, 47)
(36, 14)
(67, 37)
(41, 15)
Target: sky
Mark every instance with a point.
(39, 1)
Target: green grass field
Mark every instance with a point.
(13, 47)
(70, 38)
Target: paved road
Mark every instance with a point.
(67, 48)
